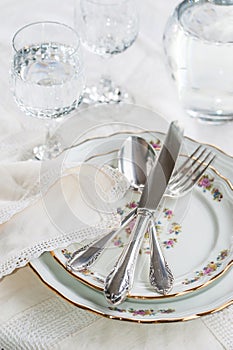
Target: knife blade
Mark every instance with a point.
(162, 170)
(119, 282)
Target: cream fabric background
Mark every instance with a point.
(142, 71)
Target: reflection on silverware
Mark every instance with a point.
(141, 152)
(133, 147)
(184, 178)
(87, 255)
(120, 280)
(161, 277)
(187, 175)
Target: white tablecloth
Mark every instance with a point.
(31, 313)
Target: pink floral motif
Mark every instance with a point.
(168, 213)
(156, 144)
(209, 269)
(206, 183)
(132, 205)
(130, 226)
(142, 312)
(117, 242)
(170, 243)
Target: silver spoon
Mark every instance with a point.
(135, 159)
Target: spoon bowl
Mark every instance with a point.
(135, 159)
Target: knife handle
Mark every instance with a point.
(161, 277)
(87, 255)
(120, 280)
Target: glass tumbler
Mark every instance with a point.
(198, 43)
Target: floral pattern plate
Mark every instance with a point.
(195, 231)
(213, 298)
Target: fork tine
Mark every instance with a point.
(194, 169)
(204, 169)
(182, 166)
(185, 170)
(183, 184)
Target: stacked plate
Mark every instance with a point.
(195, 232)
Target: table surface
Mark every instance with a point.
(142, 71)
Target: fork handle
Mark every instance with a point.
(87, 255)
(161, 277)
(120, 280)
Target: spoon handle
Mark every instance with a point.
(161, 277)
(87, 255)
(120, 280)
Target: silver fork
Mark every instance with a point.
(184, 178)
(182, 181)
(189, 172)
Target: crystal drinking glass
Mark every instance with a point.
(47, 76)
(199, 48)
(107, 28)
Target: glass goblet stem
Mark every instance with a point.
(52, 146)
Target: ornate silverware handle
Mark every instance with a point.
(161, 277)
(87, 255)
(119, 281)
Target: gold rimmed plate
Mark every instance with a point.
(195, 231)
(200, 303)
(209, 236)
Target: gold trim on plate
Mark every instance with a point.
(166, 320)
(138, 132)
(122, 318)
(141, 297)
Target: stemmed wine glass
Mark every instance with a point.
(47, 76)
(107, 28)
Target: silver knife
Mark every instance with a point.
(119, 282)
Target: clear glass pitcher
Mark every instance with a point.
(198, 43)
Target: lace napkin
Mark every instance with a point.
(46, 207)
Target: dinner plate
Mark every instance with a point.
(208, 300)
(208, 231)
(195, 231)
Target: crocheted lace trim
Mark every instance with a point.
(23, 257)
